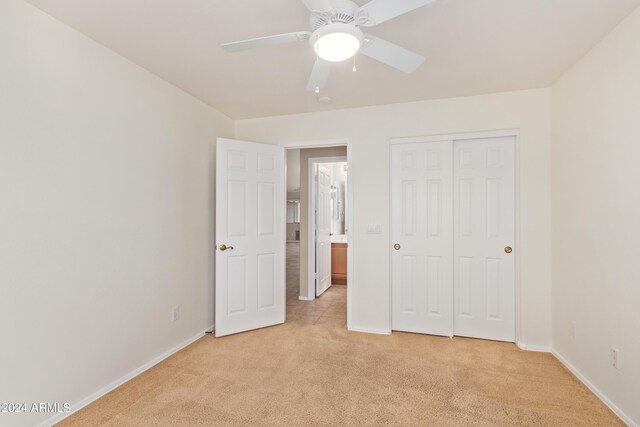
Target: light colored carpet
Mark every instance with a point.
(319, 374)
(311, 371)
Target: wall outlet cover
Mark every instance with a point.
(614, 358)
(573, 329)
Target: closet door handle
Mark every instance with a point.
(396, 246)
(508, 249)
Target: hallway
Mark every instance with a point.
(330, 308)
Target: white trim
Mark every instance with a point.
(311, 218)
(500, 133)
(537, 348)
(127, 377)
(350, 232)
(311, 298)
(517, 224)
(339, 142)
(624, 417)
(350, 211)
(458, 136)
(365, 330)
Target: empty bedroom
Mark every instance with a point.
(319, 212)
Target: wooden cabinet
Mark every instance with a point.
(339, 263)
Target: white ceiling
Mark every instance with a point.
(472, 47)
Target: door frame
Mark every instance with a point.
(339, 142)
(311, 219)
(515, 133)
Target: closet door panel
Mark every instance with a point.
(484, 228)
(422, 237)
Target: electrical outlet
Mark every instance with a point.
(573, 329)
(175, 313)
(613, 356)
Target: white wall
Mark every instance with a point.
(293, 170)
(372, 127)
(339, 180)
(596, 215)
(105, 212)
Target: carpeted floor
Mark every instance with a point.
(300, 374)
(313, 372)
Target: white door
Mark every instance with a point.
(250, 236)
(484, 218)
(422, 236)
(323, 229)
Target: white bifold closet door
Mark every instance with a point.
(453, 225)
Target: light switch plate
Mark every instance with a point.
(374, 229)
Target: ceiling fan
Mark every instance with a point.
(336, 35)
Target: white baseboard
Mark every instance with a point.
(370, 330)
(117, 383)
(301, 298)
(626, 419)
(529, 347)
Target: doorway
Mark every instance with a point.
(453, 233)
(317, 243)
(328, 233)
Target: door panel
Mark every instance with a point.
(484, 280)
(422, 224)
(323, 229)
(250, 201)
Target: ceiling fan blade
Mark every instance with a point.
(314, 5)
(378, 11)
(319, 74)
(391, 54)
(266, 41)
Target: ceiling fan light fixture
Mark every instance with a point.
(337, 42)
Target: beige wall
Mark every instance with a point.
(305, 155)
(370, 130)
(596, 215)
(293, 170)
(106, 213)
(291, 231)
(291, 195)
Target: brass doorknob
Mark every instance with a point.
(224, 247)
(396, 246)
(508, 249)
